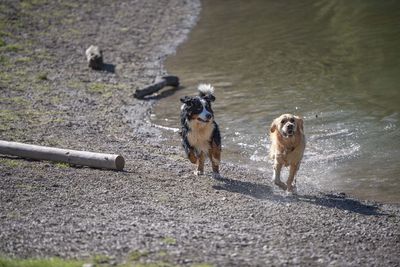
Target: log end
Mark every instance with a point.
(119, 163)
(171, 80)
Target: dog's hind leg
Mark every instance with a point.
(291, 181)
(215, 157)
(277, 176)
(200, 164)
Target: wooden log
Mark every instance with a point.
(151, 89)
(83, 158)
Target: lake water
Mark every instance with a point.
(336, 63)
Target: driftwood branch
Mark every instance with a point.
(164, 81)
(75, 157)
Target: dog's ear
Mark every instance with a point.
(209, 98)
(299, 122)
(186, 99)
(273, 126)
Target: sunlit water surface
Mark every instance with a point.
(336, 63)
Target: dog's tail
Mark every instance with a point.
(205, 89)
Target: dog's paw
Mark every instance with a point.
(292, 190)
(289, 193)
(281, 184)
(198, 173)
(216, 175)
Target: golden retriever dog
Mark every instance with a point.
(287, 148)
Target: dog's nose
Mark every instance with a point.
(290, 126)
(208, 116)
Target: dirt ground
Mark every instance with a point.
(155, 212)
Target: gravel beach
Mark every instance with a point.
(156, 212)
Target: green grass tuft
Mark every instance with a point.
(10, 163)
(62, 165)
(42, 76)
(23, 60)
(137, 255)
(52, 262)
(11, 48)
(169, 240)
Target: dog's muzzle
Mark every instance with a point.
(205, 117)
(289, 131)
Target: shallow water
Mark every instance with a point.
(336, 63)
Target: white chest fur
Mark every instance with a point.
(200, 135)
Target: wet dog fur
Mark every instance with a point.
(200, 134)
(287, 148)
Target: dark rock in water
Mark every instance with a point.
(95, 57)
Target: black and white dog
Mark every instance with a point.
(200, 133)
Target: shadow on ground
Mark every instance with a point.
(109, 67)
(265, 192)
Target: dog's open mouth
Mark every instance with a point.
(288, 134)
(200, 119)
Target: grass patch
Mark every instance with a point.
(3, 60)
(75, 84)
(10, 163)
(15, 101)
(52, 262)
(169, 240)
(11, 48)
(100, 259)
(62, 165)
(10, 119)
(2, 32)
(103, 89)
(42, 76)
(137, 255)
(23, 60)
(100, 88)
(28, 4)
(7, 117)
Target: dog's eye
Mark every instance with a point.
(291, 120)
(283, 121)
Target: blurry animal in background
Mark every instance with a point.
(199, 131)
(94, 57)
(287, 148)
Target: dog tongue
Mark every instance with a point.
(201, 120)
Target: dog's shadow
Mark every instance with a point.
(108, 67)
(255, 190)
(341, 202)
(265, 192)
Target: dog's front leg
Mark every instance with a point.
(192, 156)
(215, 156)
(200, 164)
(277, 175)
(291, 181)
